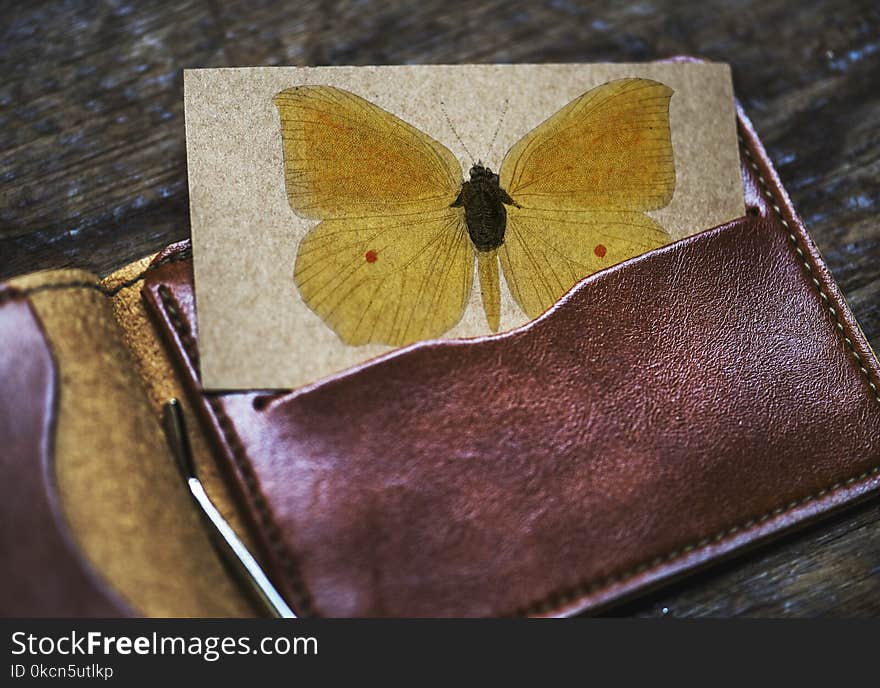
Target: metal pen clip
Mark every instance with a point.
(228, 543)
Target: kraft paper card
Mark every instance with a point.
(339, 213)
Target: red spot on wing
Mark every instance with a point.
(371, 256)
(600, 250)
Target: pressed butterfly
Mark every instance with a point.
(392, 259)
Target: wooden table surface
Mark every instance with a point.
(93, 167)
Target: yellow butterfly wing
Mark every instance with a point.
(345, 156)
(391, 262)
(581, 180)
(392, 280)
(545, 253)
(610, 148)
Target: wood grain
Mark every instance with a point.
(93, 169)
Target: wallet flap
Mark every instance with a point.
(67, 585)
(666, 412)
(118, 533)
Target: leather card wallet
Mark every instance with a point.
(666, 413)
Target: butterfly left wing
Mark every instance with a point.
(387, 280)
(391, 261)
(345, 156)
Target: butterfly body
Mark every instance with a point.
(483, 200)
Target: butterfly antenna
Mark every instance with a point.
(449, 122)
(498, 128)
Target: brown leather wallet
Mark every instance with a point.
(668, 412)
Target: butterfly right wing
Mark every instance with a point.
(391, 262)
(608, 149)
(545, 253)
(581, 181)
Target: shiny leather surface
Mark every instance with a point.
(43, 573)
(666, 413)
